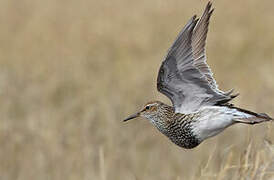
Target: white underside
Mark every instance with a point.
(214, 119)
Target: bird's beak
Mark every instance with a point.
(132, 116)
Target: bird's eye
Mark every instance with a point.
(147, 107)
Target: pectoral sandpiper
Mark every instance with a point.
(200, 110)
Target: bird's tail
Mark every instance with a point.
(253, 117)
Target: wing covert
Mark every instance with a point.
(184, 77)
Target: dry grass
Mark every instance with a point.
(70, 71)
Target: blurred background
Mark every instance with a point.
(71, 71)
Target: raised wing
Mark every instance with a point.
(184, 76)
(198, 46)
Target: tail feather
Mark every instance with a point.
(254, 118)
(264, 115)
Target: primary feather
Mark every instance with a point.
(184, 75)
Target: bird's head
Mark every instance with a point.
(150, 111)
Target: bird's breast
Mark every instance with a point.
(180, 133)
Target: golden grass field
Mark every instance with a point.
(71, 71)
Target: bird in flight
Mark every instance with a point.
(200, 110)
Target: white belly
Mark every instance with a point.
(214, 119)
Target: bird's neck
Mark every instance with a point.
(163, 118)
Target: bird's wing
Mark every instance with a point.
(198, 47)
(184, 76)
